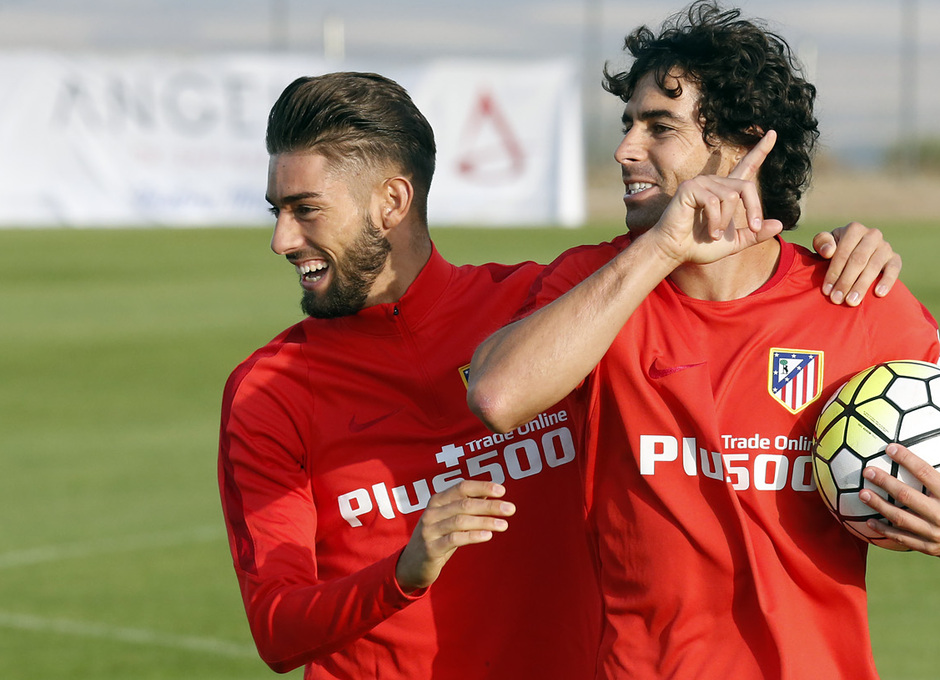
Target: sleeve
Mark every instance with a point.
(271, 519)
(900, 327)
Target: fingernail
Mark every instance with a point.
(837, 297)
(502, 524)
(854, 298)
(756, 223)
(827, 288)
(881, 290)
(867, 473)
(891, 450)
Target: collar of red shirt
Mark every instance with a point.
(417, 302)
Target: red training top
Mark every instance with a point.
(333, 438)
(718, 558)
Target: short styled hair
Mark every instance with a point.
(749, 82)
(354, 118)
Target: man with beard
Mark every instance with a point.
(718, 558)
(350, 468)
(352, 474)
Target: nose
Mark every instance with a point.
(631, 147)
(287, 236)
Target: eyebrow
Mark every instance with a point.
(293, 198)
(650, 114)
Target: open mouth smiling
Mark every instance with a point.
(634, 188)
(311, 272)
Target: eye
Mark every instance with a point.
(305, 210)
(274, 211)
(659, 128)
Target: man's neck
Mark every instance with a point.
(406, 260)
(730, 278)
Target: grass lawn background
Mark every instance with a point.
(116, 345)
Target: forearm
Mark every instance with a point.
(308, 588)
(294, 624)
(530, 365)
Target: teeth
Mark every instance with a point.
(310, 269)
(637, 187)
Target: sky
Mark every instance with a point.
(853, 50)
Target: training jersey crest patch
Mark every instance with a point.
(465, 375)
(795, 377)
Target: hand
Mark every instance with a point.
(917, 525)
(859, 255)
(464, 514)
(699, 225)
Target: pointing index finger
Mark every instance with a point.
(748, 166)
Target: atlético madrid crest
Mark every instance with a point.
(795, 377)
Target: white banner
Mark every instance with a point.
(151, 140)
(509, 142)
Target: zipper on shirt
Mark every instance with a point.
(419, 365)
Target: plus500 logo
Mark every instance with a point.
(516, 460)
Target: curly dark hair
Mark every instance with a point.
(749, 82)
(356, 118)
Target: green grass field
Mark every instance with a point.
(116, 345)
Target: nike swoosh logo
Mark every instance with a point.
(658, 372)
(355, 426)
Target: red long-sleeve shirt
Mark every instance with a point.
(334, 436)
(718, 558)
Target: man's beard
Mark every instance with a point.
(352, 277)
(641, 219)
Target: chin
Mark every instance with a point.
(637, 226)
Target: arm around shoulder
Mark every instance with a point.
(531, 364)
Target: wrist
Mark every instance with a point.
(402, 584)
(658, 251)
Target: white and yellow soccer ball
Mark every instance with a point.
(896, 401)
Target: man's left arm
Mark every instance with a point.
(916, 525)
(858, 256)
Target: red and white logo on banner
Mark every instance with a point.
(490, 152)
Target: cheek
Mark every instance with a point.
(699, 163)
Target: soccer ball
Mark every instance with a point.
(896, 401)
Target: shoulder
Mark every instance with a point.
(267, 362)
(571, 268)
(808, 270)
(521, 274)
(490, 289)
(587, 258)
(897, 325)
(900, 302)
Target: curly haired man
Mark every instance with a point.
(718, 559)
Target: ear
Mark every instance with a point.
(739, 152)
(395, 198)
(754, 130)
